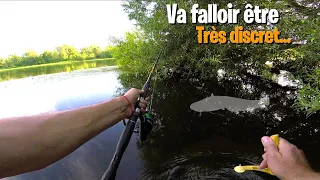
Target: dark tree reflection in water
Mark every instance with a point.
(188, 145)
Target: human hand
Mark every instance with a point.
(286, 161)
(132, 95)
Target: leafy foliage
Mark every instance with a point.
(62, 53)
(134, 52)
(182, 54)
(309, 96)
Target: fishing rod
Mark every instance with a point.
(144, 128)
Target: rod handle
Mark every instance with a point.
(240, 169)
(275, 138)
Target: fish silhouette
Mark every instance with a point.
(214, 103)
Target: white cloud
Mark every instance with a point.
(41, 25)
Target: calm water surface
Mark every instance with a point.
(184, 144)
(64, 91)
(53, 68)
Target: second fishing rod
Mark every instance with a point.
(123, 142)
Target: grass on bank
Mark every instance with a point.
(112, 62)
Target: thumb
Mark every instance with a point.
(269, 145)
(141, 92)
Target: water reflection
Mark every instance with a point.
(190, 145)
(60, 91)
(64, 91)
(184, 144)
(52, 68)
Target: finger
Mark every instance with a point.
(270, 146)
(264, 156)
(140, 91)
(263, 164)
(147, 98)
(285, 146)
(142, 105)
(283, 143)
(143, 101)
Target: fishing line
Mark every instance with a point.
(153, 88)
(146, 126)
(150, 104)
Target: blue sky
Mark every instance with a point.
(44, 25)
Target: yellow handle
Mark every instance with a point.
(240, 169)
(275, 138)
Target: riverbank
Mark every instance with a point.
(112, 62)
(66, 66)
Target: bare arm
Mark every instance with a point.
(34, 142)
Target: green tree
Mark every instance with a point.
(92, 52)
(50, 56)
(13, 61)
(183, 55)
(2, 63)
(134, 52)
(96, 50)
(67, 52)
(30, 58)
(62, 53)
(106, 53)
(87, 53)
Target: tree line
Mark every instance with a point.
(61, 53)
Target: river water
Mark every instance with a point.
(184, 144)
(63, 91)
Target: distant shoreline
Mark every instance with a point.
(112, 62)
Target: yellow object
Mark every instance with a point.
(275, 139)
(241, 169)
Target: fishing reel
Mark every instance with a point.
(145, 126)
